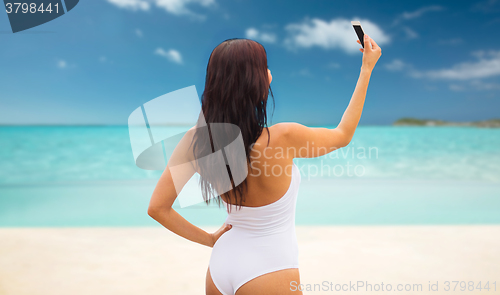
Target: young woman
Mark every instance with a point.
(255, 251)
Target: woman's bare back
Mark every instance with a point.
(270, 173)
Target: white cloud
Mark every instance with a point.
(396, 65)
(411, 34)
(131, 4)
(138, 32)
(252, 33)
(172, 55)
(487, 65)
(480, 85)
(302, 73)
(417, 13)
(482, 53)
(336, 34)
(177, 7)
(474, 84)
(333, 65)
(469, 74)
(62, 64)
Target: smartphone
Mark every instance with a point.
(359, 31)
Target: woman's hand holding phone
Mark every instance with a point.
(371, 53)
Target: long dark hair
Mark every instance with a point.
(236, 92)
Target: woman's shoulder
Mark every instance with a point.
(280, 134)
(287, 129)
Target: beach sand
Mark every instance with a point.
(152, 260)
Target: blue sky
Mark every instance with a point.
(103, 59)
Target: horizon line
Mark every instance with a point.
(166, 125)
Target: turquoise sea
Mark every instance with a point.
(86, 176)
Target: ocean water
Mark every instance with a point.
(86, 176)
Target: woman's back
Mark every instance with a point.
(269, 175)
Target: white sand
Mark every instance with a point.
(151, 260)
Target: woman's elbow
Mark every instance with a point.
(341, 137)
(345, 142)
(153, 212)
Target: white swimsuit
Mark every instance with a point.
(262, 240)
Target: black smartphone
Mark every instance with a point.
(359, 31)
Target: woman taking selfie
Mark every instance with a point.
(255, 251)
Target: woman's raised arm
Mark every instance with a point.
(314, 142)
